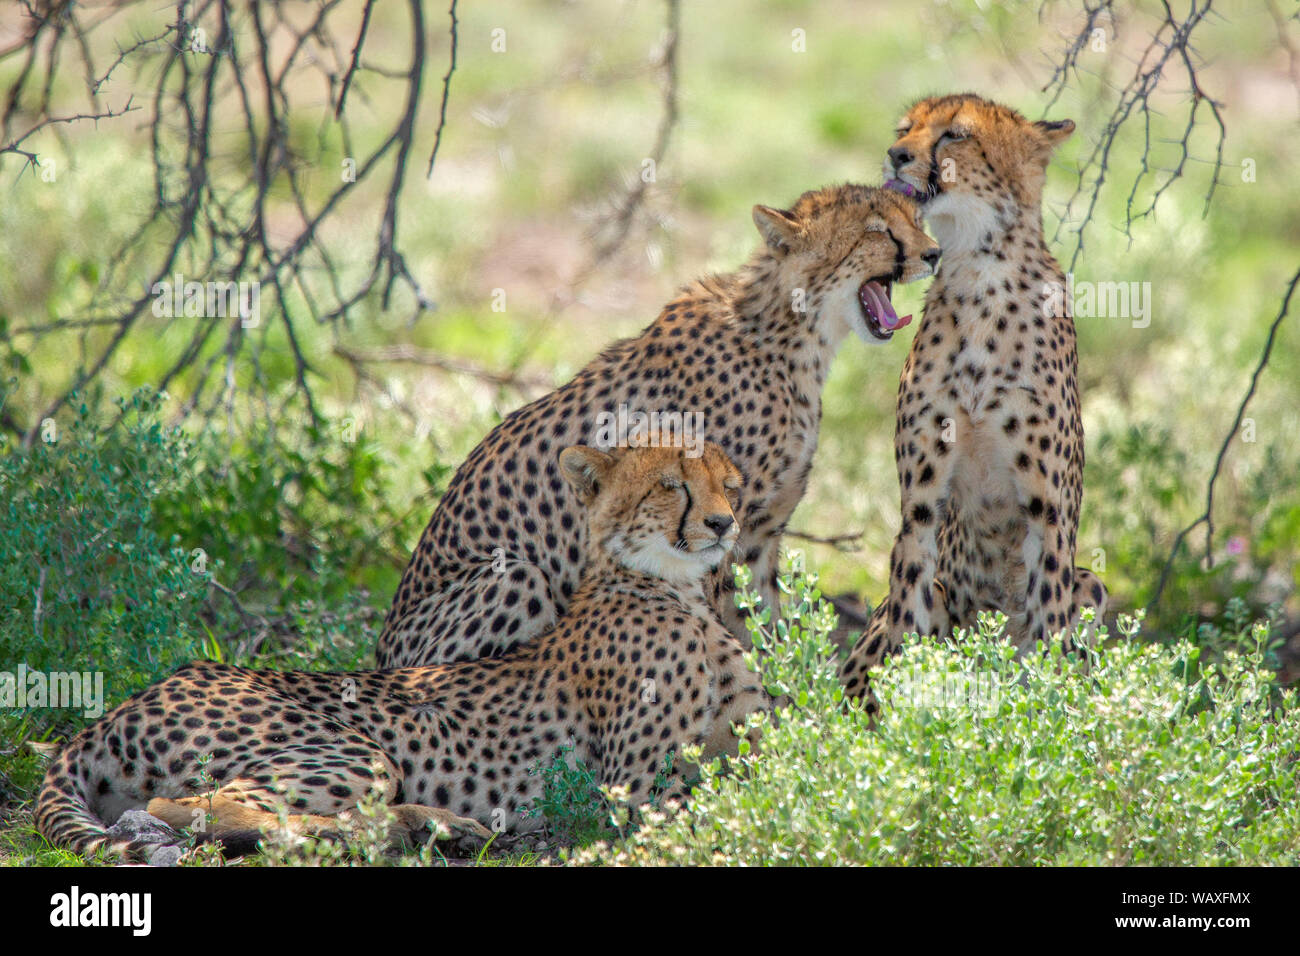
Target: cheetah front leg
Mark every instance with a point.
(1088, 592)
(671, 706)
(739, 694)
(925, 470)
(1047, 554)
(870, 649)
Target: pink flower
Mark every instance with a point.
(1236, 545)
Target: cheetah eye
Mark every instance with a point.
(954, 135)
(670, 483)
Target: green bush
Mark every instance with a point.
(130, 548)
(571, 804)
(86, 580)
(1257, 525)
(1141, 754)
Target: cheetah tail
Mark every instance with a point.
(65, 819)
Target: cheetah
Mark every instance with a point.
(988, 437)
(638, 663)
(746, 354)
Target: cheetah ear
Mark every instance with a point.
(778, 227)
(1055, 131)
(584, 469)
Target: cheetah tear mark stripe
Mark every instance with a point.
(932, 181)
(681, 525)
(900, 256)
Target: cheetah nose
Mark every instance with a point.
(900, 156)
(931, 257)
(719, 523)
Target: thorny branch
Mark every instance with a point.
(1207, 517)
(626, 209)
(848, 542)
(446, 91)
(244, 206)
(1168, 54)
(32, 159)
(258, 203)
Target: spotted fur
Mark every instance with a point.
(500, 558)
(639, 663)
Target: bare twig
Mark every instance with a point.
(621, 221)
(446, 92)
(417, 356)
(1170, 45)
(848, 543)
(219, 215)
(1207, 517)
(356, 59)
(13, 145)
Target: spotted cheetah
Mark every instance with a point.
(989, 437)
(746, 353)
(639, 662)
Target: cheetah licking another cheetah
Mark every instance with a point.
(639, 663)
(989, 436)
(748, 353)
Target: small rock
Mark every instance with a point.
(165, 856)
(139, 827)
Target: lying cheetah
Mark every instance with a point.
(638, 663)
(747, 353)
(989, 437)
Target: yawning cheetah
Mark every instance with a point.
(989, 437)
(639, 663)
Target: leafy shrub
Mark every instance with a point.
(86, 579)
(305, 538)
(1257, 517)
(1147, 755)
(571, 803)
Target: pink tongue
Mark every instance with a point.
(878, 304)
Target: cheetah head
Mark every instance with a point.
(657, 510)
(973, 164)
(841, 249)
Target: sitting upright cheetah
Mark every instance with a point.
(639, 663)
(989, 437)
(746, 353)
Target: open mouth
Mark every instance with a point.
(882, 321)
